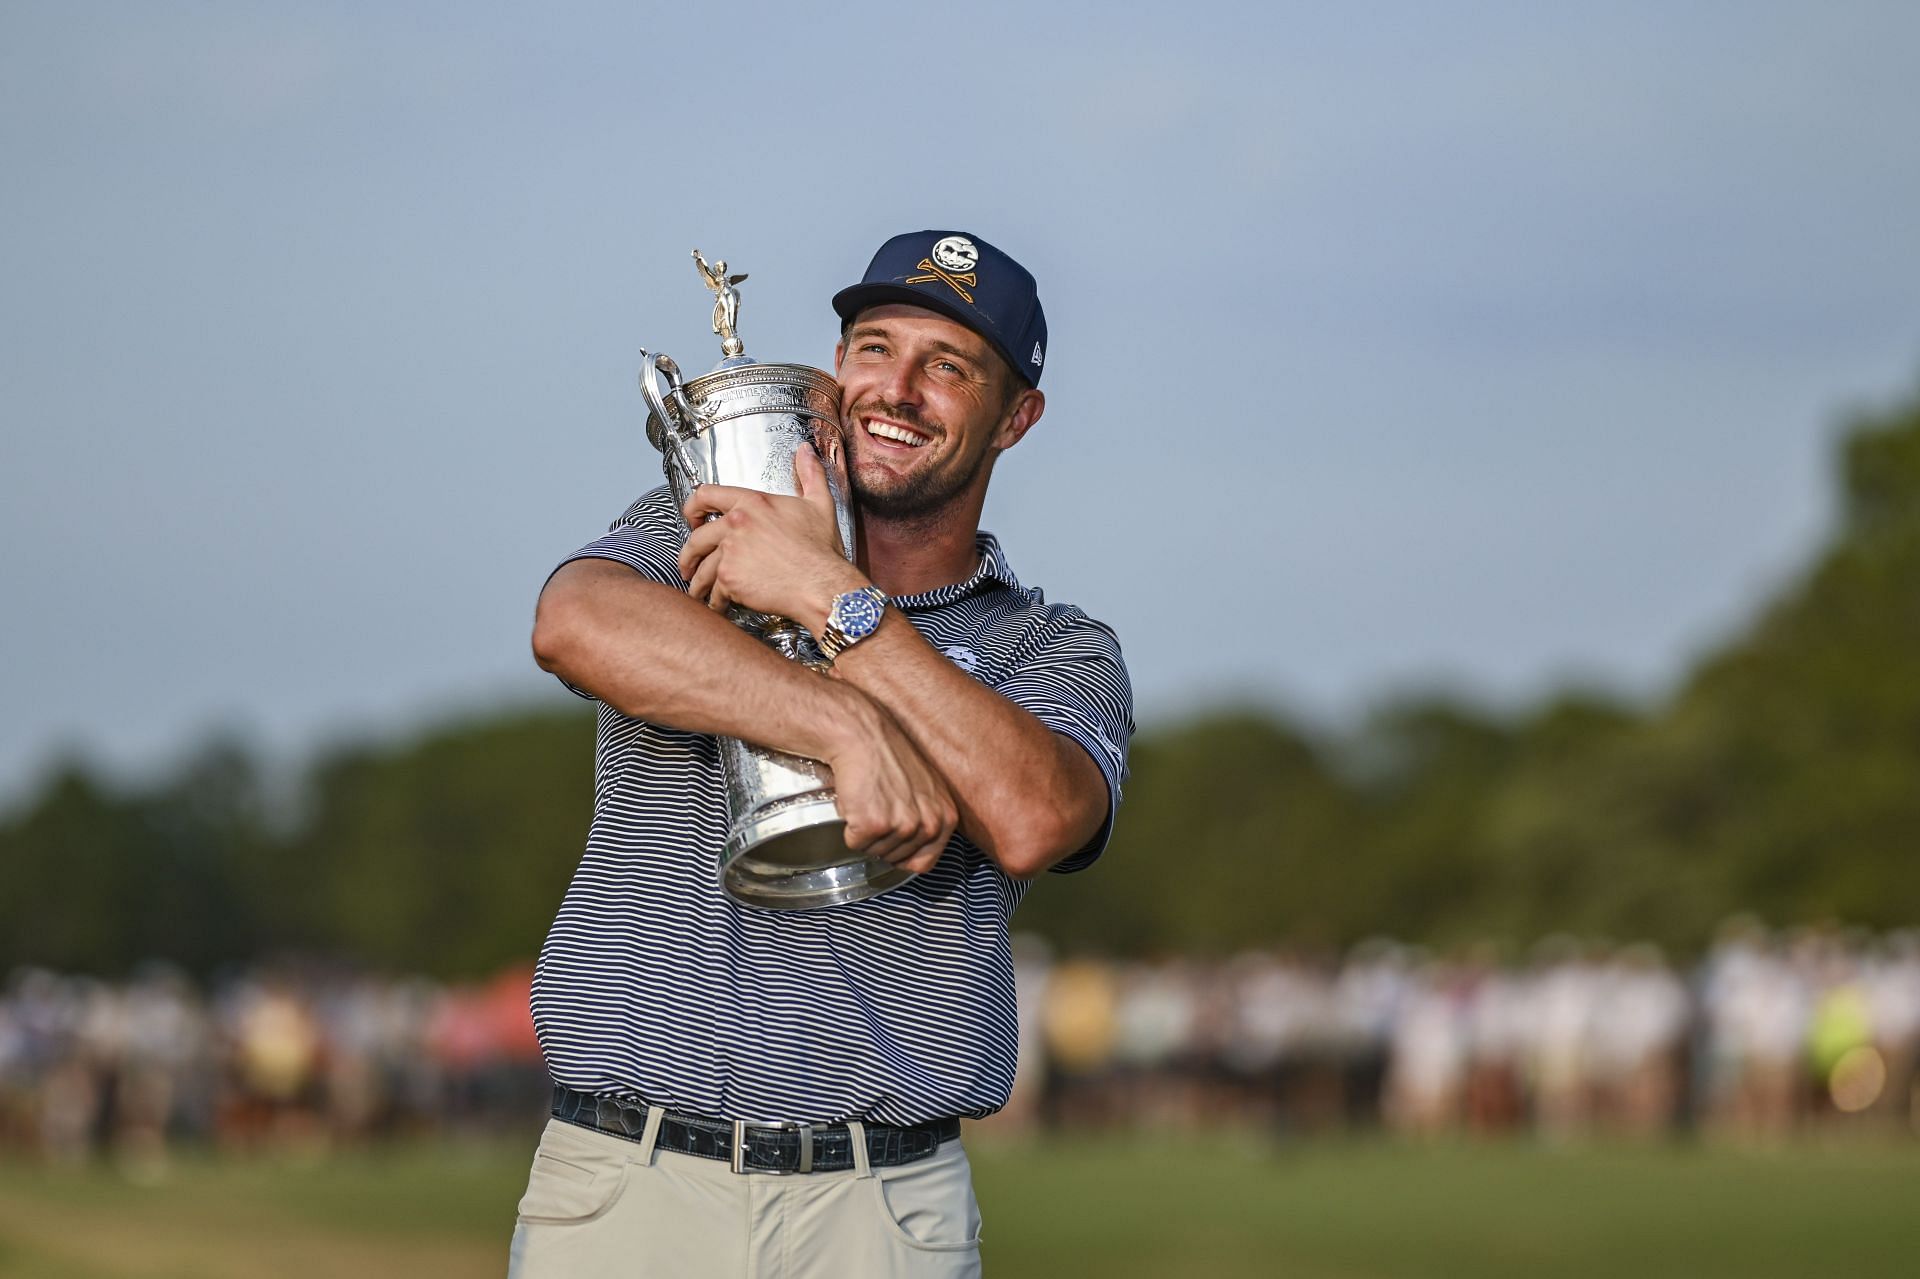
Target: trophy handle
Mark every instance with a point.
(672, 408)
(670, 412)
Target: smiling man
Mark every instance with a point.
(977, 734)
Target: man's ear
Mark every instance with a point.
(1028, 405)
(839, 354)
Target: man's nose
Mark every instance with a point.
(902, 383)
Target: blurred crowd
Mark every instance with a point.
(1768, 1035)
(284, 1059)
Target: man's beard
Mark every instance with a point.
(919, 496)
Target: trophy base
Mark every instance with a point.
(794, 857)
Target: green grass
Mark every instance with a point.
(1122, 1207)
(1348, 1210)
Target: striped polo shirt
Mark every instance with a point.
(655, 986)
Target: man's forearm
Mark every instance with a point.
(1028, 796)
(652, 653)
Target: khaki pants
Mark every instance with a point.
(598, 1205)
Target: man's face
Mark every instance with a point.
(928, 406)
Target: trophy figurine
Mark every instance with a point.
(742, 424)
(726, 304)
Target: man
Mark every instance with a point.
(977, 735)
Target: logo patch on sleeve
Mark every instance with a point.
(965, 658)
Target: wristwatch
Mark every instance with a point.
(853, 616)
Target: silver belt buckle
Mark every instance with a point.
(739, 1161)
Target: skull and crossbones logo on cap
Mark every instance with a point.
(956, 253)
(952, 263)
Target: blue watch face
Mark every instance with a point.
(858, 614)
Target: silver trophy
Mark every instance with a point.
(742, 425)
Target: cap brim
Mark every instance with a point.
(851, 301)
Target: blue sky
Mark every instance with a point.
(1392, 345)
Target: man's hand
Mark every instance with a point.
(766, 551)
(897, 806)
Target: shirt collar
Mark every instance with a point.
(993, 570)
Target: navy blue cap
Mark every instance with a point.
(965, 279)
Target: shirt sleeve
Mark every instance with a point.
(1073, 679)
(647, 539)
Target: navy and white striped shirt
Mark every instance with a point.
(654, 985)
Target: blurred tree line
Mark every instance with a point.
(1782, 778)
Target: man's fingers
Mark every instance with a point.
(920, 845)
(862, 839)
(700, 545)
(916, 857)
(700, 585)
(924, 860)
(897, 809)
(893, 837)
(920, 855)
(810, 479)
(713, 499)
(930, 851)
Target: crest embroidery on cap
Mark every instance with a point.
(957, 254)
(1036, 353)
(952, 261)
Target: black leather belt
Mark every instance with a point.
(755, 1147)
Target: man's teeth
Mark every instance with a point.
(898, 434)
